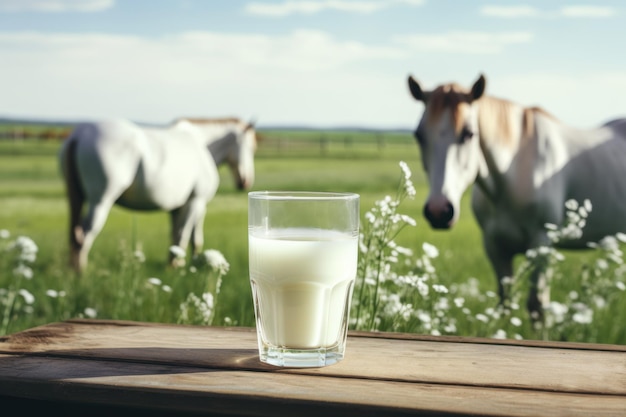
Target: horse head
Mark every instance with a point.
(241, 161)
(447, 135)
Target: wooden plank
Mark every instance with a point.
(389, 359)
(189, 389)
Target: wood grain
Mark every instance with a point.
(208, 369)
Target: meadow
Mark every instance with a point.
(128, 277)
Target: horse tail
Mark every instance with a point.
(75, 195)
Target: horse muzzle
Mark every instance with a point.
(439, 216)
(243, 184)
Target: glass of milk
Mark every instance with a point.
(303, 249)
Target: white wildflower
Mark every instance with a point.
(482, 317)
(600, 302)
(621, 237)
(550, 226)
(177, 252)
(587, 205)
(154, 281)
(558, 311)
(90, 312)
(609, 243)
(405, 170)
(573, 216)
(620, 286)
(207, 297)
(23, 271)
(26, 247)
(500, 334)
(423, 316)
(408, 220)
(459, 301)
(166, 288)
(583, 315)
(404, 251)
(422, 288)
(450, 328)
(139, 256)
(571, 204)
(4, 234)
(52, 293)
(410, 189)
(430, 250)
(602, 264)
(442, 304)
(516, 321)
(442, 289)
(27, 296)
(216, 261)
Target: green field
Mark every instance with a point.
(32, 203)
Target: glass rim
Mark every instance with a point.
(302, 195)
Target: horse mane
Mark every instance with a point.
(218, 120)
(497, 118)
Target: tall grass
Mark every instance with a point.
(128, 277)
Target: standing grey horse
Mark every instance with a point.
(525, 165)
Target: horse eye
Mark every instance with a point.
(466, 134)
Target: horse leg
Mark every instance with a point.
(539, 294)
(180, 233)
(197, 234)
(92, 225)
(502, 264)
(77, 232)
(76, 199)
(187, 225)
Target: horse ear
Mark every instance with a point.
(250, 124)
(478, 89)
(416, 90)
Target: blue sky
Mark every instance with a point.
(320, 63)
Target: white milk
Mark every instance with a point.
(302, 279)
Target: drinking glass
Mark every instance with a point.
(303, 249)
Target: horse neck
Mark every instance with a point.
(221, 143)
(506, 134)
(217, 136)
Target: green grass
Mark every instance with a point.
(33, 204)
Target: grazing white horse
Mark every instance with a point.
(172, 168)
(525, 165)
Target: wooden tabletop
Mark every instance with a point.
(112, 367)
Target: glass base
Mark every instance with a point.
(300, 358)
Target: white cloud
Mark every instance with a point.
(55, 6)
(463, 42)
(525, 11)
(510, 11)
(306, 77)
(588, 11)
(289, 7)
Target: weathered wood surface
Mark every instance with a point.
(189, 369)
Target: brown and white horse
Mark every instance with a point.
(172, 169)
(525, 165)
